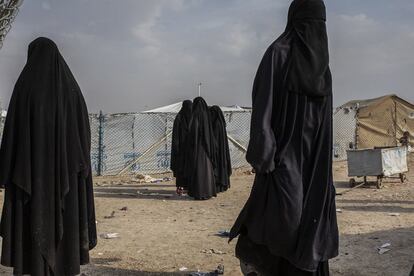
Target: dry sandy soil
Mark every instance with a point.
(161, 232)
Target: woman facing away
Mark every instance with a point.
(179, 146)
(288, 225)
(222, 170)
(48, 220)
(200, 162)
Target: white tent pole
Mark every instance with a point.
(199, 89)
(145, 153)
(234, 141)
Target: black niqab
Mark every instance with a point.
(308, 66)
(288, 225)
(48, 220)
(222, 170)
(179, 144)
(200, 153)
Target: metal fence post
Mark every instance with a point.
(100, 143)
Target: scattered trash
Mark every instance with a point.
(139, 178)
(384, 248)
(213, 251)
(110, 236)
(124, 209)
(100, 254)
(394, 214)
(223, 233)
(220, 270)
(110, 216)
(183, 268)
(339, 210)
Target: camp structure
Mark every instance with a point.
(371, 123)
(8, 12)
(141, 142)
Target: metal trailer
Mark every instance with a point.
(388, 162)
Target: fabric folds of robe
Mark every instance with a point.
(179, 145)
(200, 153)
(48, 220)
(291, 208)
(223, 168)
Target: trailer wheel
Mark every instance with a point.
(379, 182)
(403, 177)
(352, 182)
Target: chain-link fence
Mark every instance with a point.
(141, 142)
(344, 132)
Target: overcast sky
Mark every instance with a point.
(133, 55)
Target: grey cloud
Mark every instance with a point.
(131, 55)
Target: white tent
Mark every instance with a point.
(175, 108)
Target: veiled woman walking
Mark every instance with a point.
(48, 221)
(222, 170)
(179, 146)
(201, 153)
(288, 225)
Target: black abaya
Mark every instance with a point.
(290, 216)
(223, 168)
(179, 145)
(48, 220)
(200, 153)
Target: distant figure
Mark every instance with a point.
(200, 153)
(222, 170)
(288, 226)
(405, 139)
(179, 147)
(48, 222)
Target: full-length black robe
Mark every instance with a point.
(200, 153)
(179, 144)
(222, 169)
(48, 220)
(288, 225)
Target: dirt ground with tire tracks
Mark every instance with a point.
(160, 232)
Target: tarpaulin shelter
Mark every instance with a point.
(378, 122)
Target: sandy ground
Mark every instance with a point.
(161, 232)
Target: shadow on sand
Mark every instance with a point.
(138, 192)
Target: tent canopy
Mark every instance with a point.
(358, 104)
(176, 107)
(381, 121)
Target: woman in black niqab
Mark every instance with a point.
(179, 145)
(48, 220)
(288, 225)
(200, 153)
(222, 170)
